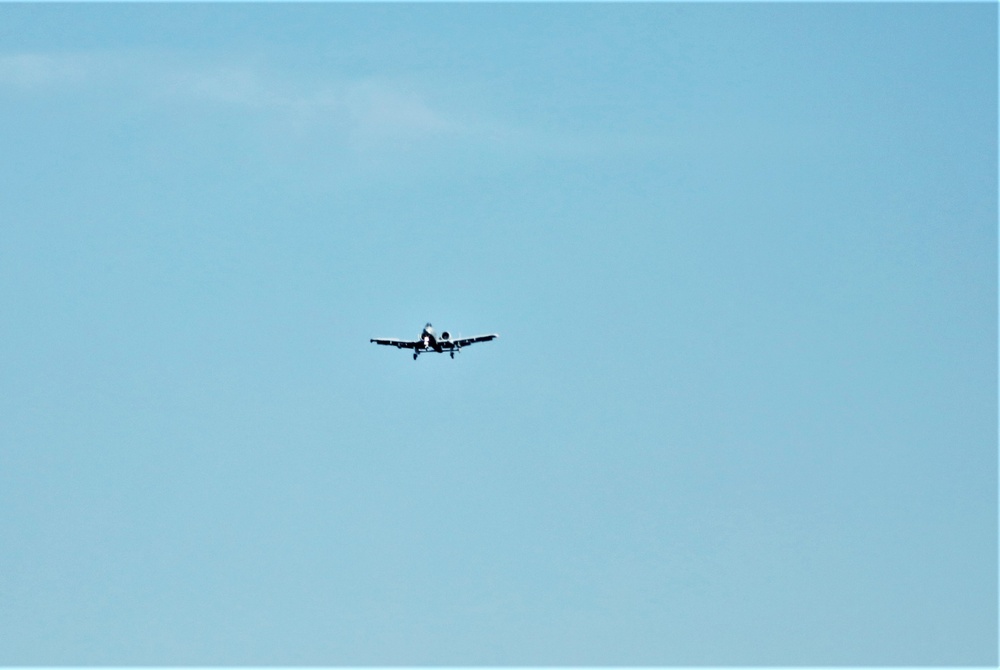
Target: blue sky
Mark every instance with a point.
(742, 260)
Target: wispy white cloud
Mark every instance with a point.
(221, 84)
(367, 110)
(39, 71)
(372, 114)
(379, 106)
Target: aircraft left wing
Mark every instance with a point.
(399, 344)
(464, 341)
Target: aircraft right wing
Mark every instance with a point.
(399, 344)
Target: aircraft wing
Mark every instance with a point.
(465, 341)
(399, 344)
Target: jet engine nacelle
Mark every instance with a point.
(445, 335)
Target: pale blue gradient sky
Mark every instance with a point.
(742, 258)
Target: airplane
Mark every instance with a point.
(430, 342)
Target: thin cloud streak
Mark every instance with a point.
(369, 114)
(33, 71)
(367, 110)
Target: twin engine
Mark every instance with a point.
(445, 335)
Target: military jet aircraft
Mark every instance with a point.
(430, 342)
